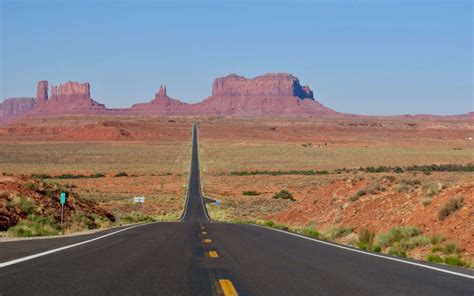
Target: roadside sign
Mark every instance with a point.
(217, 202)
(137, 199)
(62, 198)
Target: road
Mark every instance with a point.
(196, 256)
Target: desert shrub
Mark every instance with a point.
(71, 176)
(455, 261)
(410, 182)
(53, 190)
(442, 168)
(398, 170)
(337, 232)
(372, 188)
(283, 194)
(436, 249)
(426, 201)
(366, 239)
(35, 226)
(434, 258)
(23, 205)
(450, 207)
(389, 178)
(31, 185)
(402, 188)
(397, 234)
(377, 249)
(431, 189)
(282, 227)
(251, 193)
(451, 248)
(398, 249)
(276, 225)
(246, 222)
(137, 217)
(310, 231)
(416, 241)
(421, 168)
(307, 145)
(437, 239)
(358, 194)
(279, 173)
(121, 174)
(40, 176)
(84, 220)
(402, 246)
(269, 223)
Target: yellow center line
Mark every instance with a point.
(204, 232)
(213, 254)
(228, 288)
(207, 240)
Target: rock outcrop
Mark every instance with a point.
(13, 107)
(274, 94)
(161, 105)
(69, 98)
(162, 92)
(269, 85)
(42, 92)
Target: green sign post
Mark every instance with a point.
(62, 200)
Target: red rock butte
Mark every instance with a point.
(269, 95)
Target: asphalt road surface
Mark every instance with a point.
(196, 256)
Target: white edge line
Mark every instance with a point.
(370, 254)
(183, 214)
(15, 261)
(200, 183)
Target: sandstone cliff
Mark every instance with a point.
(42, 92)
(274, 94)
(268, 85)
(161, 105)
(69, 98)
(13, 107)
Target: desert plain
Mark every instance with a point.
(344, 177)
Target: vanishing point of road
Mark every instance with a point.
(197, 256)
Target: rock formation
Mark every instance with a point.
(161, 105)
(71, 97)
(42, 92)
(162, 92)
(71, 91)
(268, 85)
(274, 94)
(13, 107)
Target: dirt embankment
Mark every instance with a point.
(381, 207)
(34, 208)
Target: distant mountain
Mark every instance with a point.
(269, 95)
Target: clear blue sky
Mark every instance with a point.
(365, 57)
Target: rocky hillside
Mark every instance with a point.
(31, 208)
